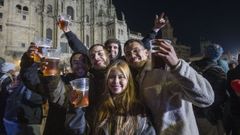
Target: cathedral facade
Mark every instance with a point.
(93, 21)
(22, 21)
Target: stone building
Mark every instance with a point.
(22, 21)
(93, 21)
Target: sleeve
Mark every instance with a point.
(147, 38)
(75, 44)
(55, 89)
(33, 98)
(146, 127)
(195, 88)
(76, 123)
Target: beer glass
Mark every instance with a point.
(81, 88)
(64, 20)
(42, 45)
(156, 61)
(51, 62)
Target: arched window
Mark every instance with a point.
(87, 19)
(18, 8)
(49, 34)
(1, 2)
(87, 39)
(70, 12)
(25, 10)
(49, 9)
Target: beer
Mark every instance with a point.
(82, 98)
(63, 23)
(51, 66)
(40, 50)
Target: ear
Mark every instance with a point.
(147, 52)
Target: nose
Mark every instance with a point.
(96, 57)
(116, 80)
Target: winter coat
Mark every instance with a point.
(76, 124)
(169, 94)
(24, 106)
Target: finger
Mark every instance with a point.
(156, 17)
(162, 15)
(162, 43)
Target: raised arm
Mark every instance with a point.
(159, 23)
(74, 43)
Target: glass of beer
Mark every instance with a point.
(156, 61)
(80, 87)
(42, 45)
(64, 20)
(51, 62)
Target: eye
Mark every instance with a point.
(121, 76)
(100, 54)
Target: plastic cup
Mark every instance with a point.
(156, 61)
(41, 44)
(81, 86)
(64, 20)
(51, 62)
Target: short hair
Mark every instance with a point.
(130, 41)
(104, 48)
(110, 41)
(86, 58)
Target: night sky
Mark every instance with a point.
(215, 20)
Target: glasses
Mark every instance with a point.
(134, 52)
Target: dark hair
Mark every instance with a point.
(104, 48)
(86, 58)
(130, 41)
(110, 41)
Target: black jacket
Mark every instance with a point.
(234, 99)
(24, 106)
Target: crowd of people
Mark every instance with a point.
(127, 96)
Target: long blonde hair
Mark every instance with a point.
(118, 114)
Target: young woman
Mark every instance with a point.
(120, 112)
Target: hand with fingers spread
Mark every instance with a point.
(166, 51)
(160, 22)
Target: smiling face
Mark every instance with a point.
(117, 81)
(113, 49)
(99, 58)
(136, 55)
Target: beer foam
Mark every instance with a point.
(44, 46)
(53, 58)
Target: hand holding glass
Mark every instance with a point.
(156, 61)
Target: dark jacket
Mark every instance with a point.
(24, 106)
(234, 99)
(218, 80)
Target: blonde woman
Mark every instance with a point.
(120, 112)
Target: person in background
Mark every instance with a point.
(168, 93)
(114, 48)
(120, 111)
(29, 77)
(234, 99)
(210, 119)
(7, 73)
(57, 89)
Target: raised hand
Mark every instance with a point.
(160, 21)
(166, 51)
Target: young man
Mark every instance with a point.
(168, 93)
